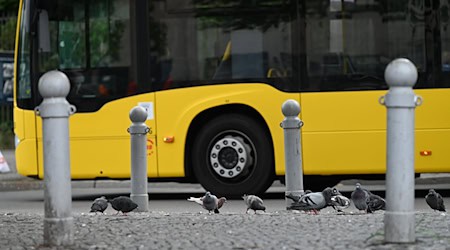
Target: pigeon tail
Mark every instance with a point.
(374, 203)
(299, 206)
(221, 201)
(293, 197)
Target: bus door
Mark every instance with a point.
(83, 42)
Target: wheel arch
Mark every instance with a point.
(213, 112)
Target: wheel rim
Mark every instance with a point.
(231, 156)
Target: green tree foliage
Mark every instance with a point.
(7, 34)
(6, 135)
(9, 6)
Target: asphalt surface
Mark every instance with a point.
(272, 230)
(180, 228)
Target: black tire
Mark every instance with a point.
(229, 177)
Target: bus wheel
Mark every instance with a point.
(233, 155)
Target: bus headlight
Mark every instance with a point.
(16, 141)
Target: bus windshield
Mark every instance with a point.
(87, 40)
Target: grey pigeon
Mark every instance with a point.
(314, 201)
(359, 197)
(254, 203)
(99, 205)
(220, 202)
(374, 203)
(340, 202)
(123, 204)
(434, 200)
(210, 203)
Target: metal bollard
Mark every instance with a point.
(54, 111)
(292, 149)
(138, 131)
(400, 101)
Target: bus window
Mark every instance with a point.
(349, 43)
(89, 41)
(23, 62)
(444, 11)
(192, 44)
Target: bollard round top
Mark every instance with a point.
(290, 108)
(54, 84)
(138, 114)
(401, 72)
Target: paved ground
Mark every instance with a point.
(276, 229)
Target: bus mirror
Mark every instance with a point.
(43, 31)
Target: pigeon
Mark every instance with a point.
(434, 200)
(313, 201)
(359, 197)
(210, 202)
(339, 202)
(254, 203)
(123, 204)
(220, 202)
(99, 205)
(374, 203)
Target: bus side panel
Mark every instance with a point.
(436, 142)
(343, 132)
(26, 150)
(361, 152)
(177, 108)
(433, 131)
(100, 144)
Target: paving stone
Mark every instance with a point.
(279, 230)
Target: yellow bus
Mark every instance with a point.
(213, 76)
